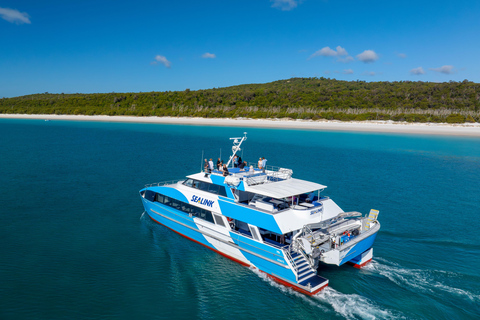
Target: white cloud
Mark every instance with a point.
(14, 16)
(327, 52)
(368, 56)
(341, 51)
(162, 60)
(207, 55)
(347, 71)
(285, 5)
(444, 69)
(417, 71)
(347, 59)
(402, 55)
(369, 73)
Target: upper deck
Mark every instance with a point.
(274, 182)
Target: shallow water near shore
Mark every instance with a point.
(75, 243)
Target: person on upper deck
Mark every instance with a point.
(218, 163)
(235, 161)
(225, 170)
(205, 168)
(260, 163)
(264, 164)
(242, 165)
(251, 171)
(210, 164)
(310, 197)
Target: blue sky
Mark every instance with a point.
(113, 46)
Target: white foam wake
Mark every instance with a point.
(285, 289)
(354, 306)
(350, 306)
(428, 281)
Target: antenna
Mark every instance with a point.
(236, 146)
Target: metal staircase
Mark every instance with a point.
(303, 269)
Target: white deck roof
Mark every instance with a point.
(285, 189)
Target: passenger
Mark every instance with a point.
(205, 168)
(235, 161)
(251, 171)
(225, 171)
(240, 160)
(264, 164)
(260, 162)
(310, 197)
(218, 163)
(242, 165)
(210, 165)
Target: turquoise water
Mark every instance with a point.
(74, 244)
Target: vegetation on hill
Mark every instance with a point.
(297, 98)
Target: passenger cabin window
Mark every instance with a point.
(149, 195)
(219, 220)
(180, 205)
(206, 186)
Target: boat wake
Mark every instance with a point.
(349, 306)
(270, 281)
(426, 281)
(354, 306)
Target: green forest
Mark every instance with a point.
(296, 98)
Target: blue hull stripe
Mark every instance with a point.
(280, 269)
(359, 248)
(169, 219)
(179, 222)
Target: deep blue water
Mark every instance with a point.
(74, 245)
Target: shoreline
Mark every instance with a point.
(463, 129)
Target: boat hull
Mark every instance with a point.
(233, 246)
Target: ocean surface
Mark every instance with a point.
(74, 243)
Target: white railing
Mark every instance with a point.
(269, 175)
(163, 183)
(286, 251)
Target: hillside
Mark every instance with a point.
(297, 98)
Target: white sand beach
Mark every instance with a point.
(464, 129)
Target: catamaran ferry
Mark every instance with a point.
(265, 219)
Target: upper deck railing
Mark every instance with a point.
(163, 183)
(258, 176)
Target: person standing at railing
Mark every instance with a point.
(218, 163)
(210, 165)
(264, 164)
(205, 168)
(260, 163)
(235, 161)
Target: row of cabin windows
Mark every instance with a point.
(179, 205)
(205, 186)
(238, 225)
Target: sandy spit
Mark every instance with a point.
(465, 129)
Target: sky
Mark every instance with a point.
(141, 46)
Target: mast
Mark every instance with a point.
(236, 146)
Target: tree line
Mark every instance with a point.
(296, 98)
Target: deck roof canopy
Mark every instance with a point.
(285, 189)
